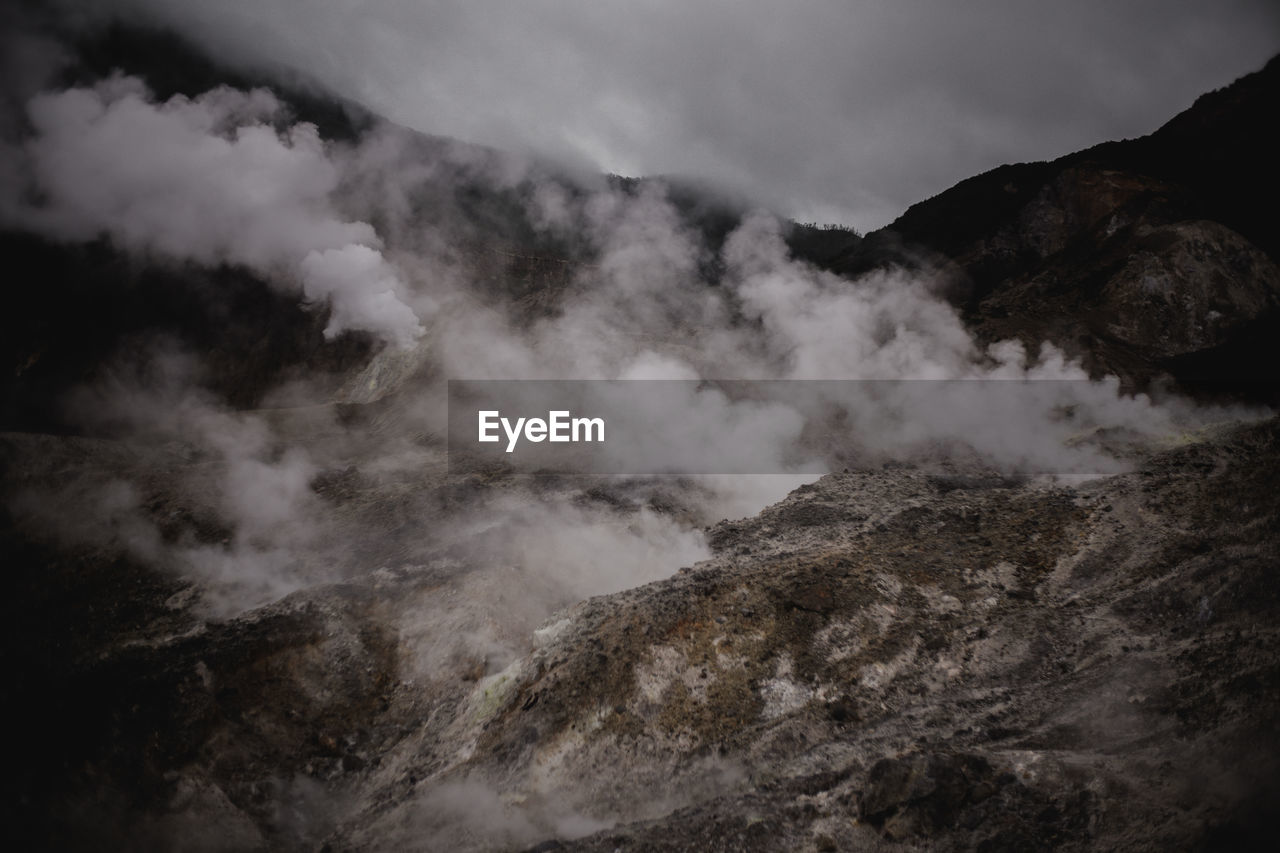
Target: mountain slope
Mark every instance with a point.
(1143, 257)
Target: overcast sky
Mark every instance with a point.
(836, 111)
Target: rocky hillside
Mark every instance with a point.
(894, 657)
(940, 657)
(1146, 257)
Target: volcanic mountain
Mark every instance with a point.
(250, 606)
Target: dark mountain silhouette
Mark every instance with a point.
(1146, 257)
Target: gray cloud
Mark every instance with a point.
(832, 110)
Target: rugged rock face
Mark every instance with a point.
(892, 655)
(1158, 292)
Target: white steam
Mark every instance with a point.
(215, 180)
(211, 181)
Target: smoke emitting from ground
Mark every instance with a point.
(226, 178)
(256, 505)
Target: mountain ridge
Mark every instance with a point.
(1031, 250)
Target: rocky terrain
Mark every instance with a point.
(949, 658)
(962, 662)
(246, 618)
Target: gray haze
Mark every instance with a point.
(834, 111)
